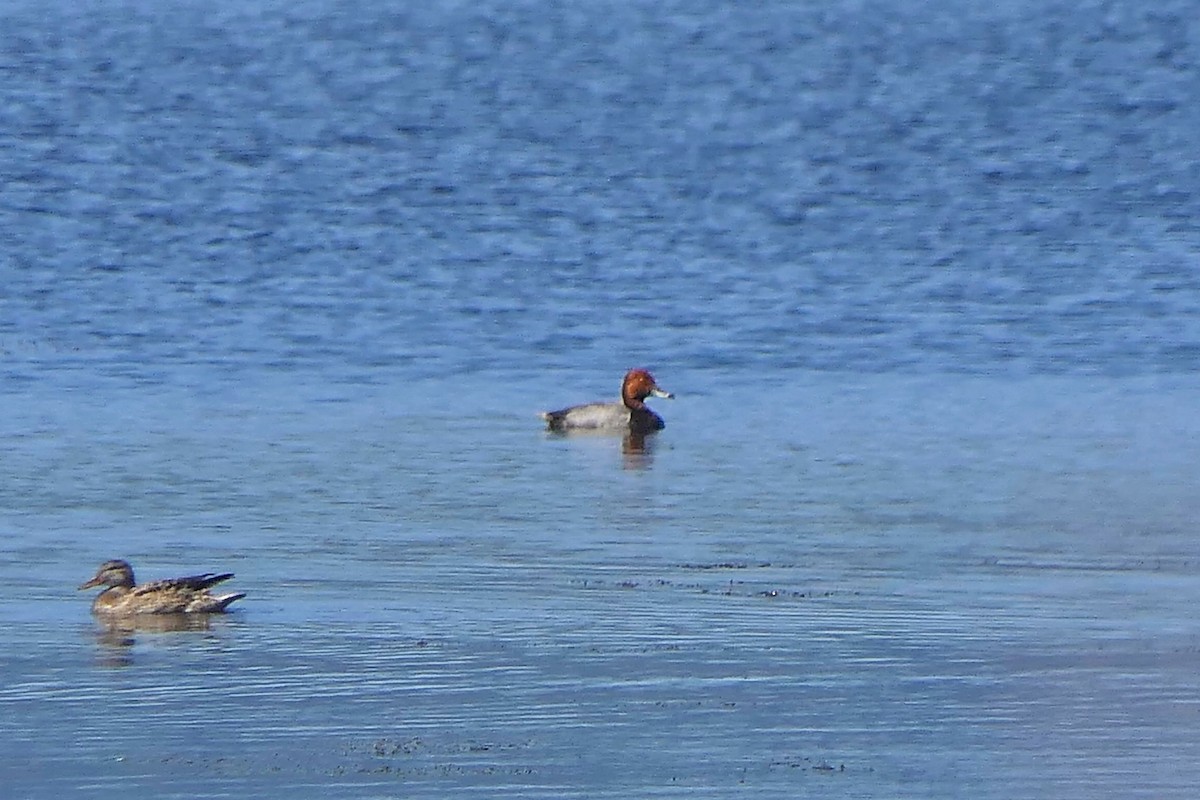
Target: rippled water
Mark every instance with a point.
(284, 286)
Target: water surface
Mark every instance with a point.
(286, 284)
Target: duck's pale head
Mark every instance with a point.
(112, 573)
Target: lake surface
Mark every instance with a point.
(284, 285)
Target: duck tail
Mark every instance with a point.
(553, 419)
(222, 601)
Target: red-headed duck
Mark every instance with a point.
(631, 414)
(171, 596)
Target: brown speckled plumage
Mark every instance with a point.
(188, 595)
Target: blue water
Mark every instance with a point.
(283, 286)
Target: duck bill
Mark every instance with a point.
(93, 582)
(657, 392)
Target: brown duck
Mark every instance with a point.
(171, 596)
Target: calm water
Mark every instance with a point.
(283, 286)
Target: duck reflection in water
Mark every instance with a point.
(638, 450)
(117, 635)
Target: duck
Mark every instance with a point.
(188, 595)
(631, 414)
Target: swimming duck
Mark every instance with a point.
(630, 414)
(171, 596)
